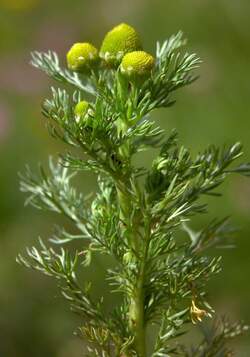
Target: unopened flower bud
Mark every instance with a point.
(81, 107)
(120, 40)
(81, 110)
(137, 65)
(82, 57)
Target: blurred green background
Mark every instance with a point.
(34, 320)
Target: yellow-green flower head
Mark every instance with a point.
(137, 64)
(119, 41)
(81, 110)
(81, 107)
(82, 57)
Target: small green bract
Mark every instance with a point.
(120, 40)
(82, 57)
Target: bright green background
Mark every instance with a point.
(34, 321)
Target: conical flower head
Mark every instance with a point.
(137, 65)
(82, 56)
(120, 40)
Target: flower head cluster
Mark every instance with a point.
(121, 47)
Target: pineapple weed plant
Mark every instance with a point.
(137, 214)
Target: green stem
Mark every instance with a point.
(136, 315)
(136, 310)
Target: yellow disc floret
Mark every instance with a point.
(120, 40)
(82, 57)
(137, 65)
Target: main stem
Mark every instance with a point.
(140, 333)
(137, 315)
(136, 309)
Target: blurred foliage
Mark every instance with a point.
(36, 323)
